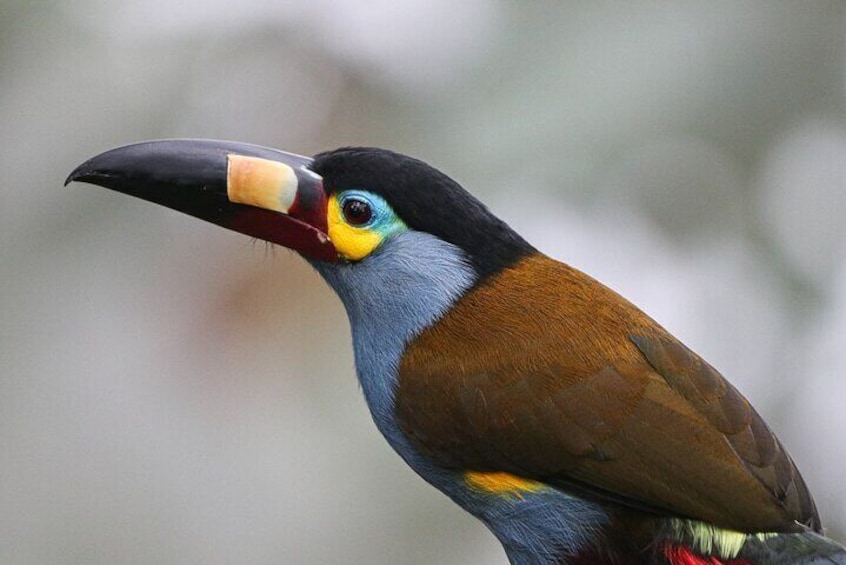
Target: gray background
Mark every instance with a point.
(171, 392)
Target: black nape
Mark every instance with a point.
(427, 200)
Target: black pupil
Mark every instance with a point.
(357, 212)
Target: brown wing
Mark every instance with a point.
(545, 373)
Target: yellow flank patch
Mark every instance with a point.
(501, 484)
(352, 242)
(260, 182)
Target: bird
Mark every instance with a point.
(570, 423)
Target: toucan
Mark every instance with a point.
(574, 426)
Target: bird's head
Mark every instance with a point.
(338, 209)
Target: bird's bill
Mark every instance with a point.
(257, 191)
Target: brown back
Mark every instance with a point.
(544, 372)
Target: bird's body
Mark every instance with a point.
(569, 422)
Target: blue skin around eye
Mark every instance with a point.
(383, 221)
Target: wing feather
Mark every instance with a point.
(543, 372)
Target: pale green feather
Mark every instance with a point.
(711, 540)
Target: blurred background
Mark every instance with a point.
(172, 393)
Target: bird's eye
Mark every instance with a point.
(357, 211)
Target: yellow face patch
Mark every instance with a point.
(353, 242)
(371, 222)
(501, 484)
